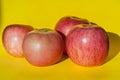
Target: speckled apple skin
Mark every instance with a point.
(66, 23)
(12, 38)
(87, 46)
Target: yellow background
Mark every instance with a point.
(45, 13)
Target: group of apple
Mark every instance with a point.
(85, 43)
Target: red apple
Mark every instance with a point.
(87, 45)
(12, 38)
(43, 47)
(66, 23)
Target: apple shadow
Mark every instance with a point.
(114, 45)
(63, 58)
(0, 12)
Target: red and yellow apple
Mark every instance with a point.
(66, 23)
(12, 38)
(43, 47)
(87, 45)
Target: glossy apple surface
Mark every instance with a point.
(12, 38)
(66, 23)
(43, 47)
(87, 45)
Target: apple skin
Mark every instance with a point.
(43, 47)
(66, 23)
(87, 45)
(12, 38)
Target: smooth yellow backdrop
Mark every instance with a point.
(45, 13)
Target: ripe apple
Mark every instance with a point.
(87, 45)
(66, 23)
(12, 38)
(43, 47)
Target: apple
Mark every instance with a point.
(12, 38)
(43, 47)
(66, 23)
(87, 45)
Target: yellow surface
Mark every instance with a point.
(45, 13)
